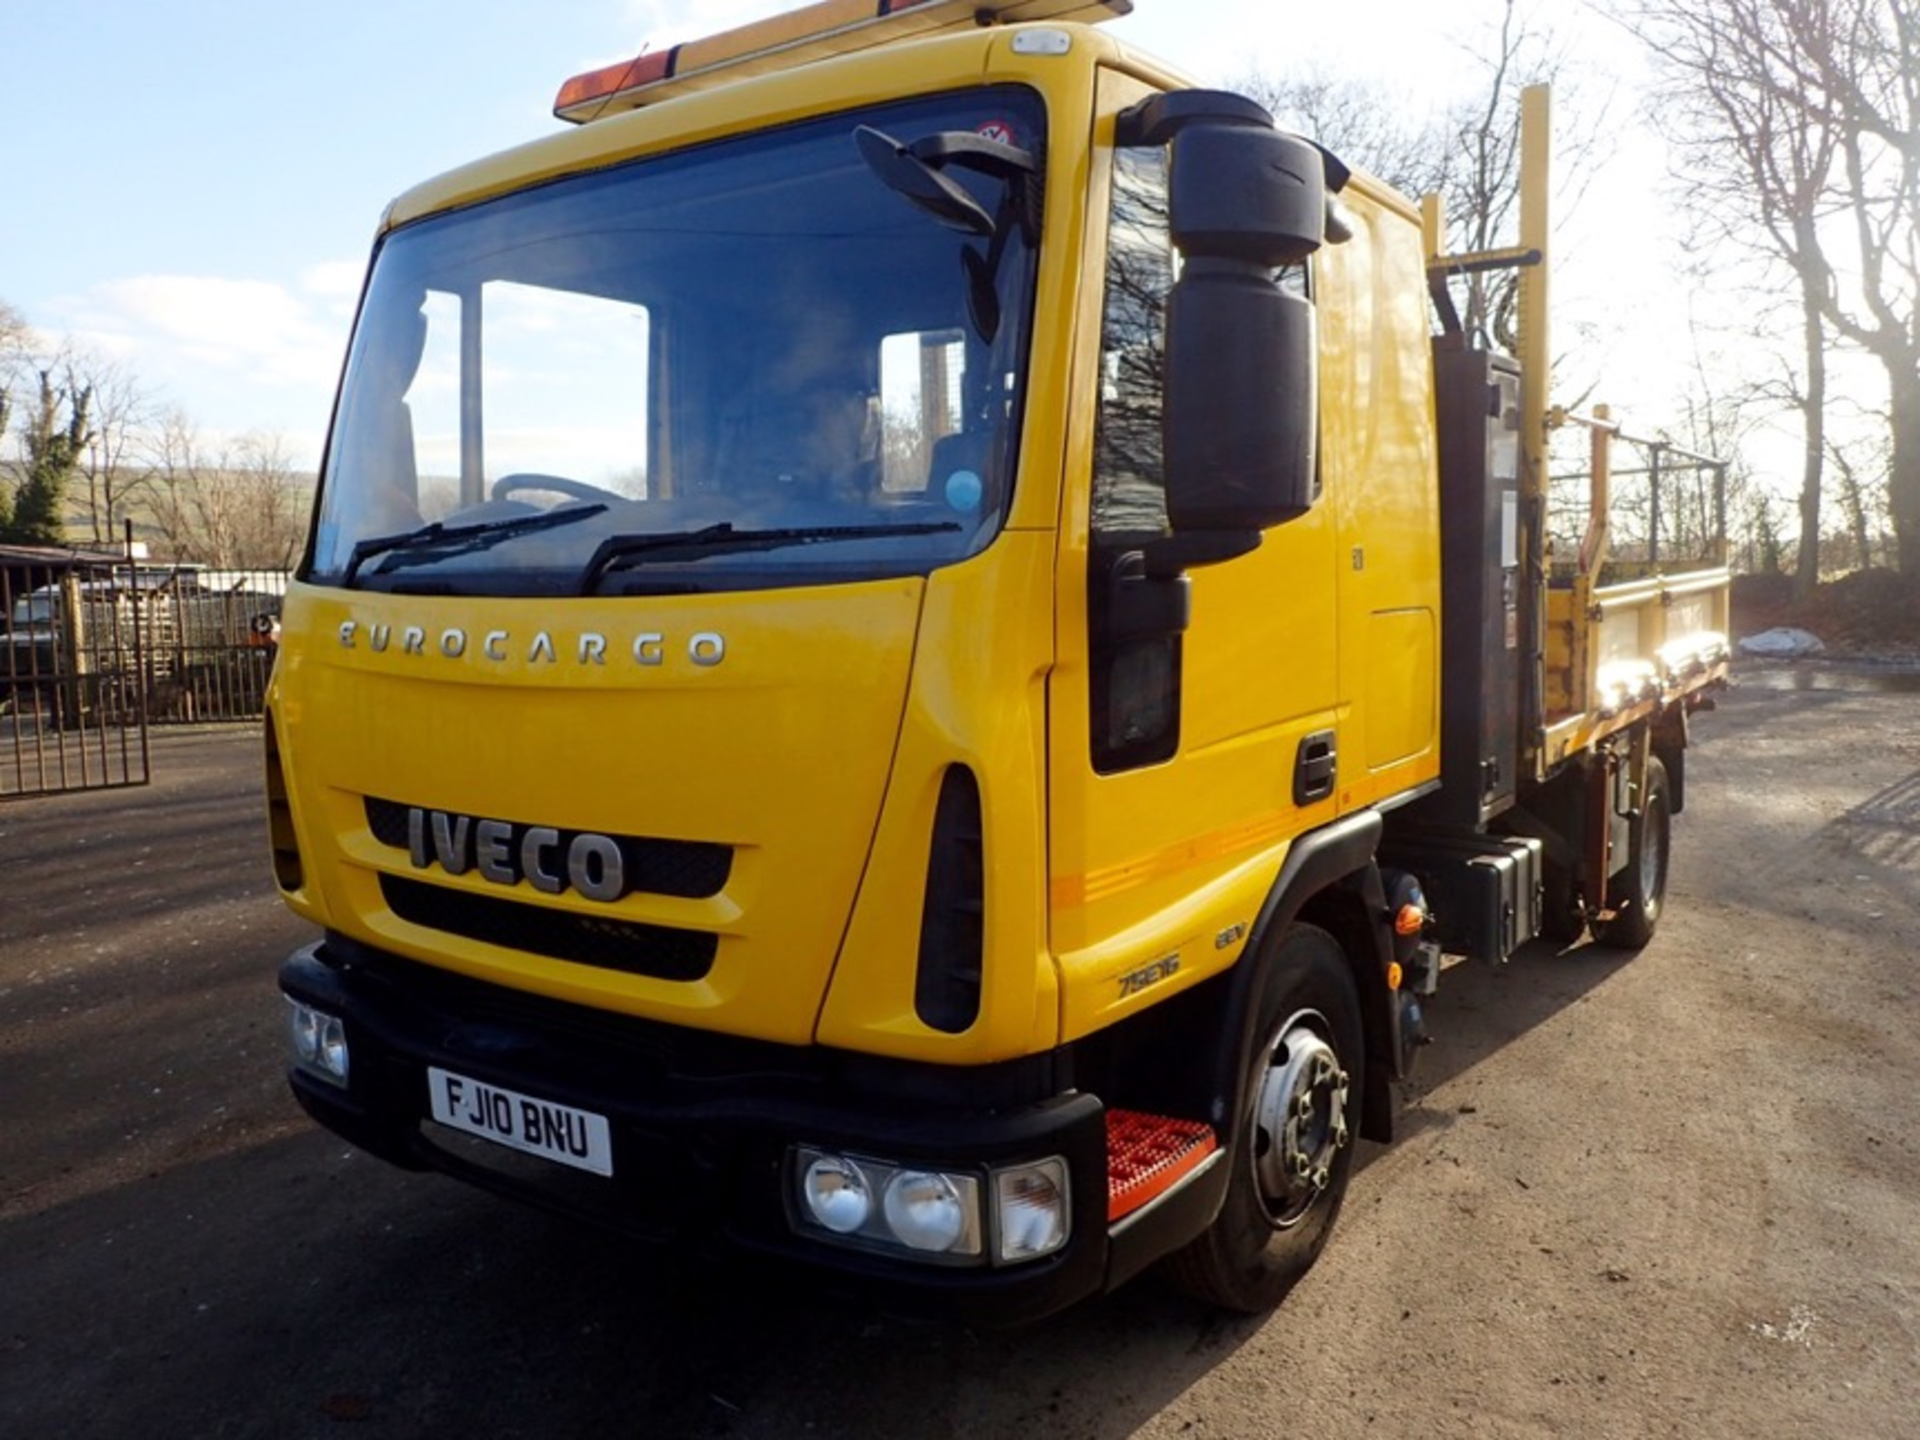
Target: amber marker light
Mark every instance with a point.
(612, 79)
(826, 21)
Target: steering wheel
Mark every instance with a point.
(506, 485)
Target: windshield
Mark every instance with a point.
(762, 362)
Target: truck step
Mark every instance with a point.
(1147, 1155)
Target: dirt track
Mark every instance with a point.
(1672, 1195)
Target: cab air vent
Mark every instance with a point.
(946, 993)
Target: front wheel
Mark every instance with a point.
(1639, 891)
(1299, 1119)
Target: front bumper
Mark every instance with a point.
(713, 1114)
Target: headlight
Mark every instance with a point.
(934, 1215)
(925, 1210)
(837, 1194)
(319, 1042)
(882, 1205)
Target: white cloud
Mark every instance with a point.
(334, 279)
(237, 355)
(269, 330)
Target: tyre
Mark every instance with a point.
(1292, 1151)
(1639, 891)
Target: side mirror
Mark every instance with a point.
(1242, 192)
(1242, 400)
(1242, 389)
(1240, 412)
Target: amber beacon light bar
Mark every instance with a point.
(780, 42)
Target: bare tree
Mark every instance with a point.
(1720, 417)
(89, 443)
(111, 479)
(1360, 122)
(273, 499)
(15, 343)
(16, 348)
(1860, 462)
(238, 507)
(1799, 117)
(1468, 153)
(74, 439)
(172, 465)
(1746, 159)
(1855, 505)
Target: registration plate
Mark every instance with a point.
(552, 1131)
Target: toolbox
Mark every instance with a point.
(1483, 891)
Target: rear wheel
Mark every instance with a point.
(1299, 1119)
(1639, 891)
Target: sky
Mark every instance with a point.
(193, 185)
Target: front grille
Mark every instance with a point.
(658, 951)
(684, 869)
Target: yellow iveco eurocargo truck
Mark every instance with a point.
(913, 656)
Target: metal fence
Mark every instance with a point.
(212, 647)
(93, 654)
(1664, 506)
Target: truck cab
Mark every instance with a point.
(867, 611)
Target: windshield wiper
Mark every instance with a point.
(617, 551)
(437, 541)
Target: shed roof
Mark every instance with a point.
(56, 557)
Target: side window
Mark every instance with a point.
(1129, 484)
(1129, 489)
(1134, 690)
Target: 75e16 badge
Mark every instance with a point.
(1134, 981)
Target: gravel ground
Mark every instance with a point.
(1674, 1194)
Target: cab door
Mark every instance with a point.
(1183, 757)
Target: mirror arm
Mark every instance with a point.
(1143, 604)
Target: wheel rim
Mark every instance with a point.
(1299, 1119)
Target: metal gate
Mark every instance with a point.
(96, 650)
(70, 711)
